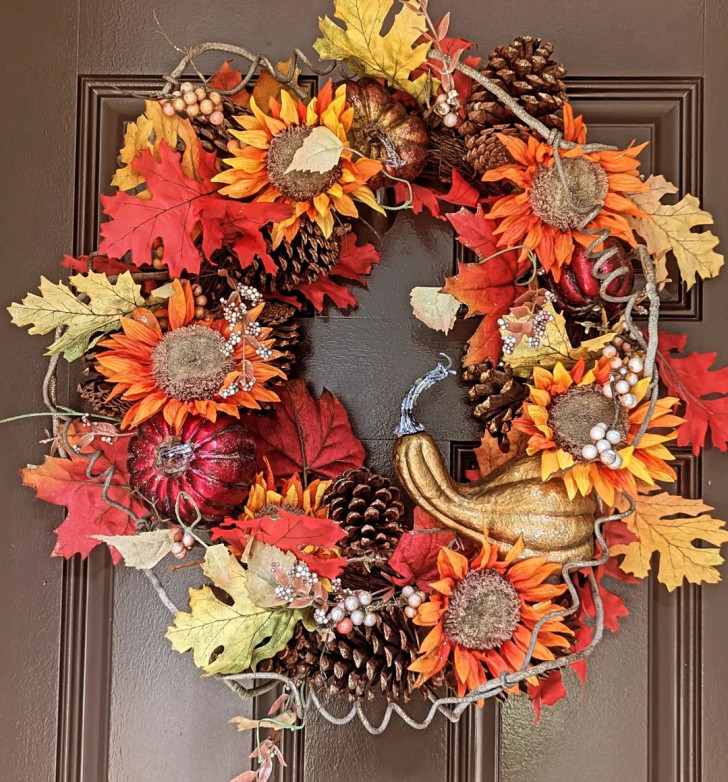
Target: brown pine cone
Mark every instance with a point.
(299, 659)
(527, 73)
(498, 395)
(485, 151)
(447, 151)
(369, 510)
(286, 331)
(94, 390)
(215, 138)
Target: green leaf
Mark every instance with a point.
(85, 323)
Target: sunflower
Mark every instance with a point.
(540, 216)
(268, 145)
(264, 497)
(483, 614)
(187, 370)
(560, 415)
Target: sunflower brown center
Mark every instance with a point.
(189, 363)
(573, 414)
(588, 187)
(274, 511)
(483, 611)
(296, 185)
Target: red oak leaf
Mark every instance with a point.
(548, 691)
(98, 263)
(461, 193)
(415, 558)
(228, 78)
(172, 214)
(306, 435)
(67, 482)
(693, 380)
(355, 262)
(487, 288)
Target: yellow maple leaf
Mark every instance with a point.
(554, 347)
(669, 525)
(148, 132)
(391, 56)
(669, 228)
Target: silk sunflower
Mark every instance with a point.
(563, 408)
(264, 497)
(540, 216)
(185, 370)
(483, 614)
(268, 144)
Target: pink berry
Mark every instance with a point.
(189, 98)
(187, 540)
(168, 109)
(450, 119)
(217, 118)
(345, 626)
(186, 87)
(200, 93)
(178, 548)
(215, 97)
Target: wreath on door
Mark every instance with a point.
(237, 207)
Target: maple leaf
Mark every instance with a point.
(415, 558)
(306, 435)
(669, 227)
(148, 132)
(435, 309)
(172, 214)
(84, 322)
(266, 85)
(670, 525)
(693, 380)
(490, 456)
(230, 637)
(76, 484)
(461, 193)
(366, 50)
(355, 262)
(229, 78)
(97, 263)
(547, 692)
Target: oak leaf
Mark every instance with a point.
(704, 391)
(84, 322)
(435, 309)
(669, 227)
(305, 435)
(143, 550)
(232, 636)
(670, 525)
(366, 50)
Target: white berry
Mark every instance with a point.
(351, 603)
(603, 445)
(609, 351)
(615, 363)
(370, 620)
(617, 463)
(410, 612)
(407, 591)
(608, 457)
(614, 436)
(187, 540)
(414, 600)
(337, 614)
(178, 547)
(631, 378)
(607, 390)
(629, 401)
(636, 364)
(597, 432)
(365, 598)
(357, 617)
(589, 452)
(622, 387)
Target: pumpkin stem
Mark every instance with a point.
(407, 422)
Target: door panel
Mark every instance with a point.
(653, 70)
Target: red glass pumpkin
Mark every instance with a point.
(212, 463)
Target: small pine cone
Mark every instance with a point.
(299, 659)
(286, 331)
(369, 510)
(527, 73)
(485, 151)
(215, 138)
(498, 395)
(94, 390)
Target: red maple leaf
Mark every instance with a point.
(229, 78)
(548, 691)
(288, 531)
(415, 558)
(67, 482)
(96, 263)
(487, 288)
(461, 193)
(355, 262)
(306, 435)
(693, 380)
(172, 214)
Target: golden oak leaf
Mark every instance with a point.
(392, 55)
(554, 346)
(669, 227)
(85, 322)
(670, 525)
(232, 636)
(148, 132)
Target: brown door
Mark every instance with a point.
(91, 690)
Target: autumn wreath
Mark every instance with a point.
(236, 207)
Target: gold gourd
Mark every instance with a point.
(509, 502)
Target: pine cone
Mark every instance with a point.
(215, 138)
(527, 73)
(498, 396)
(369, 510)
(286, 331)
(367, 662)
(94, 389)
(484, 150)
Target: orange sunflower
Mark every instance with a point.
(268, 145)
(483, 614)
(186, 370)
(559, 417)
(538, 214)
(292, 496)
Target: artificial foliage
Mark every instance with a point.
(241, 203)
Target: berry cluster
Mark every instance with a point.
(183, 542)
(352, 609)
(191, 101)
(414, 600)
(303, 581)
(533, 327)
(603, 441)
(242, 328)
(626, 372)
(447, 105)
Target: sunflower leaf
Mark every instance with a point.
(320, 152)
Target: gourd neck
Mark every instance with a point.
(407, 422)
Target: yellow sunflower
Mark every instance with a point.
(561, 414)
(483, 614)
(292, 496)
(538, 214)
(189, 369)
(268, 144)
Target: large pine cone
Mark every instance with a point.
(498, 396)
(367, 662)
(369, 510)
(527, 73)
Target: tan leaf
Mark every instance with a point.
(246, 723)
(362, 45)
(267, 86)
(435, 309)
(143, 550)
(489, 455)
(262, 581)
(670, 525)
(320, 152)
(671, 229)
